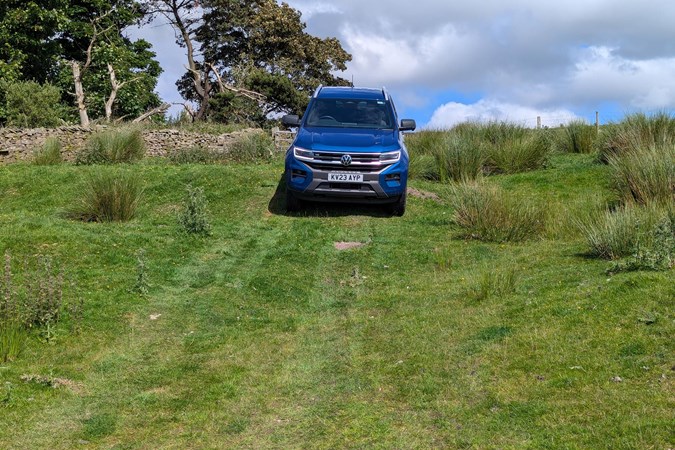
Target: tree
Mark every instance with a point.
(254, 50)
(262, 45)
(53, 40)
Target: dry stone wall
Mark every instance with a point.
(19, 144)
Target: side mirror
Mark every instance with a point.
(407, 125)
(291, 120)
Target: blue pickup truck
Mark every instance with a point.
(348, 148)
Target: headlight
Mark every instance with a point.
(302, 153)
(390, 156)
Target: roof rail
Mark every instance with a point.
(385, 93)
(317, 91)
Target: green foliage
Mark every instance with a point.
(29, 104)
(636, 132)
(615, 234)
(112, 147)
(36, 302)
(135, 69)
(108, 196)
(230, 108)
(251, 147)
(489, 213)
(193, 218)
(49, 154)
(644, 175)
(41, 38)
(578, 137)
(193, 155)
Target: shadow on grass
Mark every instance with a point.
(277, 206)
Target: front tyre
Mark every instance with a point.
(398, 208)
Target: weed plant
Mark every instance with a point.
(644, 175)
(108, 197)
(658, 254)
(112, 147)
(35, 303)
(49, 154)
(489, 213)
(193, 218)
(636, 132)
(142, 285)
(251, 148)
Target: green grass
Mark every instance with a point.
(263, 335)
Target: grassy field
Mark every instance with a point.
(264, 335)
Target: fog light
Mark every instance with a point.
(393, 177)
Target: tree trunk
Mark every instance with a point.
(79, 94)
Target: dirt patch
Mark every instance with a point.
(347, 245)
(423, 195)
(53, 382)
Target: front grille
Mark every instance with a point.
(341, 168)
(357, 158)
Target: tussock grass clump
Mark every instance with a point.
(520, 154)
(636, 131)
(616, 234)
(495, 284)
(489, 213)
(49, 154)
(577, 137)
(424, 167)
(492, 133)
(108, 197)
(645, 175)
(194, 217)
(193, 155)
(251, 147)
(425, 142)
(113, 147)
(459, 159)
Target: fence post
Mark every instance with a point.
(538, 122)
(597, 122)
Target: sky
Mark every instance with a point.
(446, 62)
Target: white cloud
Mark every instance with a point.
(450, 114)
(601, 73)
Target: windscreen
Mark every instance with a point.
(350, 113)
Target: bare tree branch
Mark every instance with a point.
(161, 109)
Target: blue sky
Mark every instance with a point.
(448, 62)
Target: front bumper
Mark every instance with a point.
(379, 185)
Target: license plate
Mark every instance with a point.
(345, 177)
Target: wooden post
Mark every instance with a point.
(597, 122)
(538, 122)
